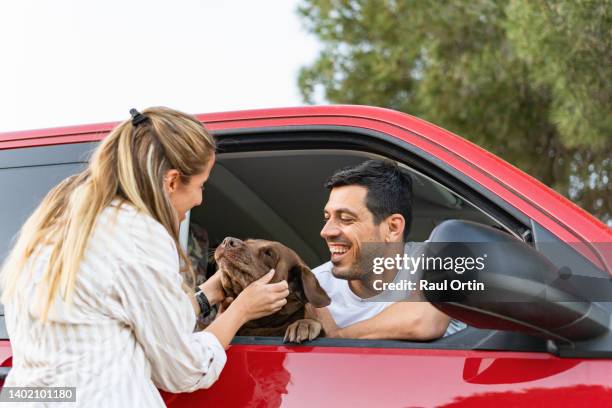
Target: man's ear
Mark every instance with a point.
(395, 224)
(315, 294)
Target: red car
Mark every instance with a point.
(268, 183)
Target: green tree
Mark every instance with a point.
(527, 79)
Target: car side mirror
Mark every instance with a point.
(517, 288)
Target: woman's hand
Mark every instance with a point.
(261, 298)
(213, 289)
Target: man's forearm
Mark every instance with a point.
(400, 321)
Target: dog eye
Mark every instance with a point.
(267, 252)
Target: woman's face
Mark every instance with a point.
(186, 196)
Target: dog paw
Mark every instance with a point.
(304, 329)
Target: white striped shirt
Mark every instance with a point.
(129, 330)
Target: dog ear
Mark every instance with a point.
(313, 292)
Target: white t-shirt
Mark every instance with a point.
(347, 308)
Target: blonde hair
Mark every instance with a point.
(129, 164)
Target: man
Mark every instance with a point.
(369, 211)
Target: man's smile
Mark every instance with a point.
(338, 251)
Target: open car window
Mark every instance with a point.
(280, 196)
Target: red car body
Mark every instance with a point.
(293, 376)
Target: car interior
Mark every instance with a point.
(280, 196)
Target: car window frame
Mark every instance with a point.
(365, 140)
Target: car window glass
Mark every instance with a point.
(22, 190)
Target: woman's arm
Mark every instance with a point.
(162, 319)
(212, 289)
(151, 301)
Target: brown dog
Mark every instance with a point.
(243, 262)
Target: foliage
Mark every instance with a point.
(529, 80)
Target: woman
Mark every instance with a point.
(92, 290)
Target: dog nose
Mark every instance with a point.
(231, 242)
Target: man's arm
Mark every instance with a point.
(400, 321)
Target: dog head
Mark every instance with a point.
(243, 262)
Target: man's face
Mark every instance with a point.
(349, 224)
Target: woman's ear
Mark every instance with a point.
(395, 228)
(171, 179)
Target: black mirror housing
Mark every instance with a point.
(522, 290)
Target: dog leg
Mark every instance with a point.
(303, 329)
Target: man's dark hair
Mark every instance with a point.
(389, 188)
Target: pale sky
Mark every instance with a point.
(68, 62)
